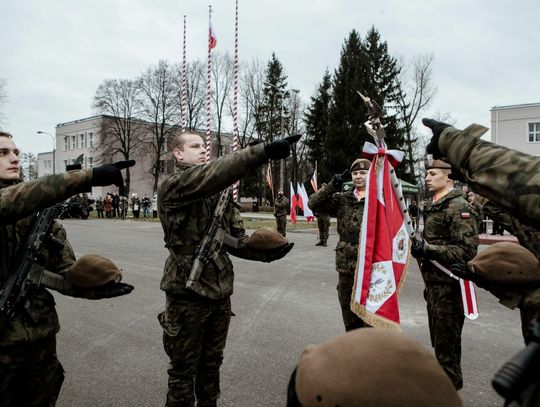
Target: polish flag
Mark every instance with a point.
(304, 200)
(294, 204)
(212, 39)
(314, 179)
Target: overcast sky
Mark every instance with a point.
(55, 53)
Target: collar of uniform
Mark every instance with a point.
(450, 195)
(4, 184)
(181, 165)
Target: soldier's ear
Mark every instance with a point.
(178, 154)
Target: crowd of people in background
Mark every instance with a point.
(121, 206)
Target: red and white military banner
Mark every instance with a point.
(383, 250)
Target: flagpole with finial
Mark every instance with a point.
(184, 81)
(235, 100)
(208, 142)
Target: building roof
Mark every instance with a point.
(519, 106)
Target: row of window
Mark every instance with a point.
(88, 162)
(79, 141)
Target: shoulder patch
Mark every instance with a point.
(465, 215)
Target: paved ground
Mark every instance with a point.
(113, 356)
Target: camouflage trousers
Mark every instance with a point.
(30, 374)
(194, 336)
(323, 223)
(344, 289)
(281, 224)
(445, 317)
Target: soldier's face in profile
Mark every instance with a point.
(193, 151)
(9, 160)
(359, 179)
(437, 180)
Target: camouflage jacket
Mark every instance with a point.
(348, 211)
(508, 177)
(528, 236)
(22, 199)
(451, 235)
(38, 319)
(186, 202)
(281, 206)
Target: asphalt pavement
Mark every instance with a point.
(112, 349)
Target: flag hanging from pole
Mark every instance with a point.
(314, 182)
(304, 200)
(384, 246)
(269, 179)
(294, 204)
(212, 39)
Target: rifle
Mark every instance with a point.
(28, 273)
(210, 244)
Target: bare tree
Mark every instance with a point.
(29, 166)
(415, 91)
(222, 82)
(3, 99)
(121, 130)
(196, 92)
(250, 94)
(160, 106)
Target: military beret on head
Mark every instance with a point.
(440, 164)
(92, 270)
(266, 239)
(372, 367)
(360, 164)
(507, 262)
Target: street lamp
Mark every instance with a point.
(53, 151)
(284, 94)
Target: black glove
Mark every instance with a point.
(280, 252)
(417, 249)
(108, 174)
(276, 150)
(108, 290)
(437, 128)
(467, 273)
(339, 179)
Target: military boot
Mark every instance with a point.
(320, 243)
(324, 243)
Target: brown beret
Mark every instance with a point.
(360, 164)
(92, 270)
(507, 262)
(430, 163)
(372, 367)
(265, 239)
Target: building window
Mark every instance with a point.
(534, 132)
(90, 140)
(73, 142)
(66, 143)
(81, 141)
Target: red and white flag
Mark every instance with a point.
(304, 201)
(212, 39)
(294, 204)
(269, 179)
(314, 183)
(384, 247)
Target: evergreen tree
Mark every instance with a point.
(316, 121)
(367, 67)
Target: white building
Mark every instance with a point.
(78, 141)
(517, 127)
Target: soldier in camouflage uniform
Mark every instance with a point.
(323, 224)
(195, 326)
(450, 236)
(348, 207)
(30, 373)
(281, 209)
(508, 177)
